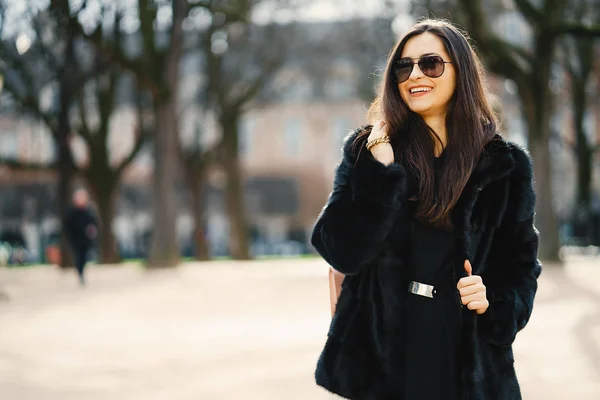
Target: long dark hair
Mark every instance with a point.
(470, 124)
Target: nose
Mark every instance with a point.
(416, 72)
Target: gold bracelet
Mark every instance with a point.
(374, 142)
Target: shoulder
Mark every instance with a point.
(523, 161)
(522, 182)
(351, 147)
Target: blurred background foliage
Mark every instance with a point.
(209, 128)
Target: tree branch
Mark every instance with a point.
(142, 137)
(236, 12)
(577, 30)
(521, 52)
(529, 11)
(117, 55)
(147, 16)
(499, 55)
(84, 130)
(106, 101)
(46, 53)
(30, 104)
(250, 92)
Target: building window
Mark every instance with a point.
(341, 80)
(246, 135)
(293, 131)
(341, 127)
(338, 88)
(9, 145)
(290, 85)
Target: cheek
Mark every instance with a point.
(403, 92)
(451, 85)
(445, 91)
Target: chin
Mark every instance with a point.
(422, 110)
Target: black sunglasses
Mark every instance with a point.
(431, 66)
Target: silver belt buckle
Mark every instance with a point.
(421, 289)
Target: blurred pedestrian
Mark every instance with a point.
(430, 223)
(82, 230)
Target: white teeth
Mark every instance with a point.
(420, 89)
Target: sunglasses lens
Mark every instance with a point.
(402, 71)
(432, 66)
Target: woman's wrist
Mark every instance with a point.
(383, 153)
(377, 141)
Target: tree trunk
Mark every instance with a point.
(197, 190)
(539, 134)
(537, 101)
(64, 199)
(545, 219)
(584, 153)
(584, 159)
(105, 196)
(66, 163)
(234, 191)
(164, 251)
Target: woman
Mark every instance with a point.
(431, 222)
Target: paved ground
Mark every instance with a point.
(226, 331)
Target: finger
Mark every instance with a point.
(484, 307)
(472, 289)
(378, 129)
(473, 298)
(480, 306)
(378, 125)
(468, 281)
(468, 268)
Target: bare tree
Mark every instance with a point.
(25, 78)
(156, 68)
(579, 57)
(101, 173)
(98, 78)
(196, 163)
(238, 66)
(531, 70)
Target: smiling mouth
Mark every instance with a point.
(420, 90)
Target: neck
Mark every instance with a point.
(438, 124)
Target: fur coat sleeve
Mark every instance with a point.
(361, 210)
(513, 267)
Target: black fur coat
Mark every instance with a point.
(360, 232)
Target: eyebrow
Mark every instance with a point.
(422, 55)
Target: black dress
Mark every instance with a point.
(433, 325)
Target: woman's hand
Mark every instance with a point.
(472, 291)
(382, 152)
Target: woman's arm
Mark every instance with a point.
(361, 210)
(513, 266)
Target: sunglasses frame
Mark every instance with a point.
(416, 60)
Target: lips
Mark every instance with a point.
(419, 89)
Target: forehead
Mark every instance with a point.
(424, 43)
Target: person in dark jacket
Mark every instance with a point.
(82, 229)
(431, 223)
